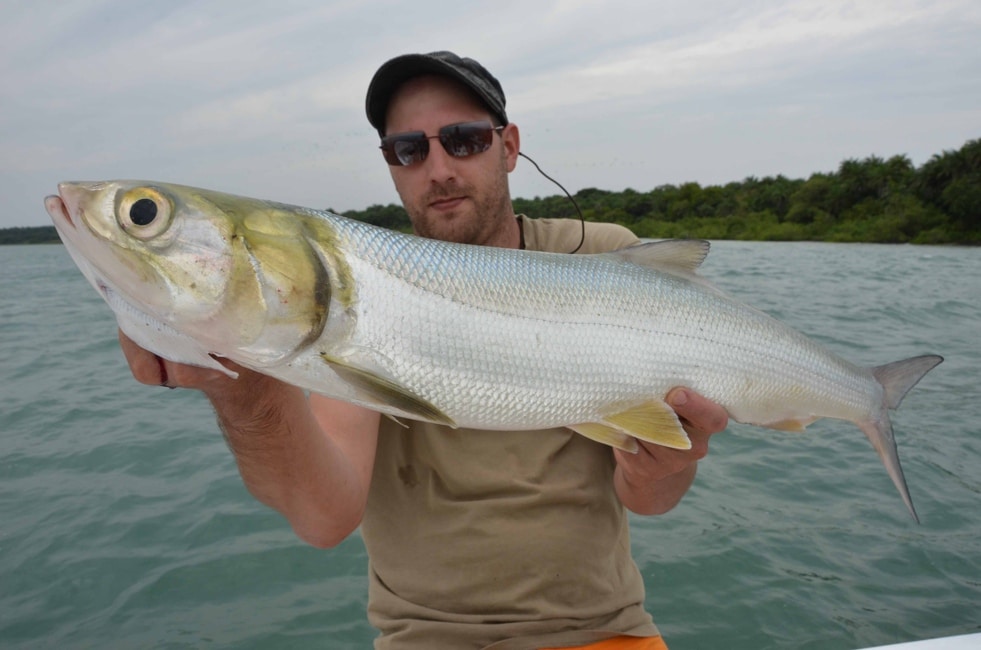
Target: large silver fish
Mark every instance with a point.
(467, 336)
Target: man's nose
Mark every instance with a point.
(440, 165)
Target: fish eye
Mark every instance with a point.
(143, 212)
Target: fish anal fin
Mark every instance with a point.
(387, 392)
(794, 425)
(606, 435)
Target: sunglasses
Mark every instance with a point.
(459, 140)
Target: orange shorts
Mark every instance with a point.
(622, 643)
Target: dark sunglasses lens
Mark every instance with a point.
(462, 140)
(405, 149)
(459, 140)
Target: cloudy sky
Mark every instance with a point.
(266, 98)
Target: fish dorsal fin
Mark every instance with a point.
(386, 392)
(682, 256)
(652, 421)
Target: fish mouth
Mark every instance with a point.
(66, 213)
(65, 207)
(58, 210)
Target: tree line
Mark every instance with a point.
(29, 235)
(869, 200)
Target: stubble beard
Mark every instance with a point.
(476, 221)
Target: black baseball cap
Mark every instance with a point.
(395, 72)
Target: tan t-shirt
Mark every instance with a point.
(480, 537)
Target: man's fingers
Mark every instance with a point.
(152, 370)
(698, 412)
(146, 367)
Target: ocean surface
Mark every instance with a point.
(124, 524)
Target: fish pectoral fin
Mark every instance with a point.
(653, 421)
(606, 435)
(794, 425)
(387, 392)
(397, 421)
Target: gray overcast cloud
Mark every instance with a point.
(267, 99)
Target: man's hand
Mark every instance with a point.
(653, 480)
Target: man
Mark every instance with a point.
(475, 538)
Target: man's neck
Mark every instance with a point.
(508, 235)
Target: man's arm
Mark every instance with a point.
(653, 481)
(310, 459)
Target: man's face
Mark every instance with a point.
(454, 199)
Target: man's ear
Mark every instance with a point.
(512, 144)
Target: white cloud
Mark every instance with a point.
(774, 43)
(268, 97)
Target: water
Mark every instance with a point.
(123, 523)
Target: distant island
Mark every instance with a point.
(29, 235)
(870, 200)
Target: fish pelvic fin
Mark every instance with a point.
(607, 435)
(896, 379)
(652, 421)
(386, 392)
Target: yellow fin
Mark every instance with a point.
(387, 392)
(653, 421)
(606, 435)
(794, 425)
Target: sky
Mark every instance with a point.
(266, 99)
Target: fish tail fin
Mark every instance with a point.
(897, 379)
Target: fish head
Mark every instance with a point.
(225, 271)
(146, 243)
